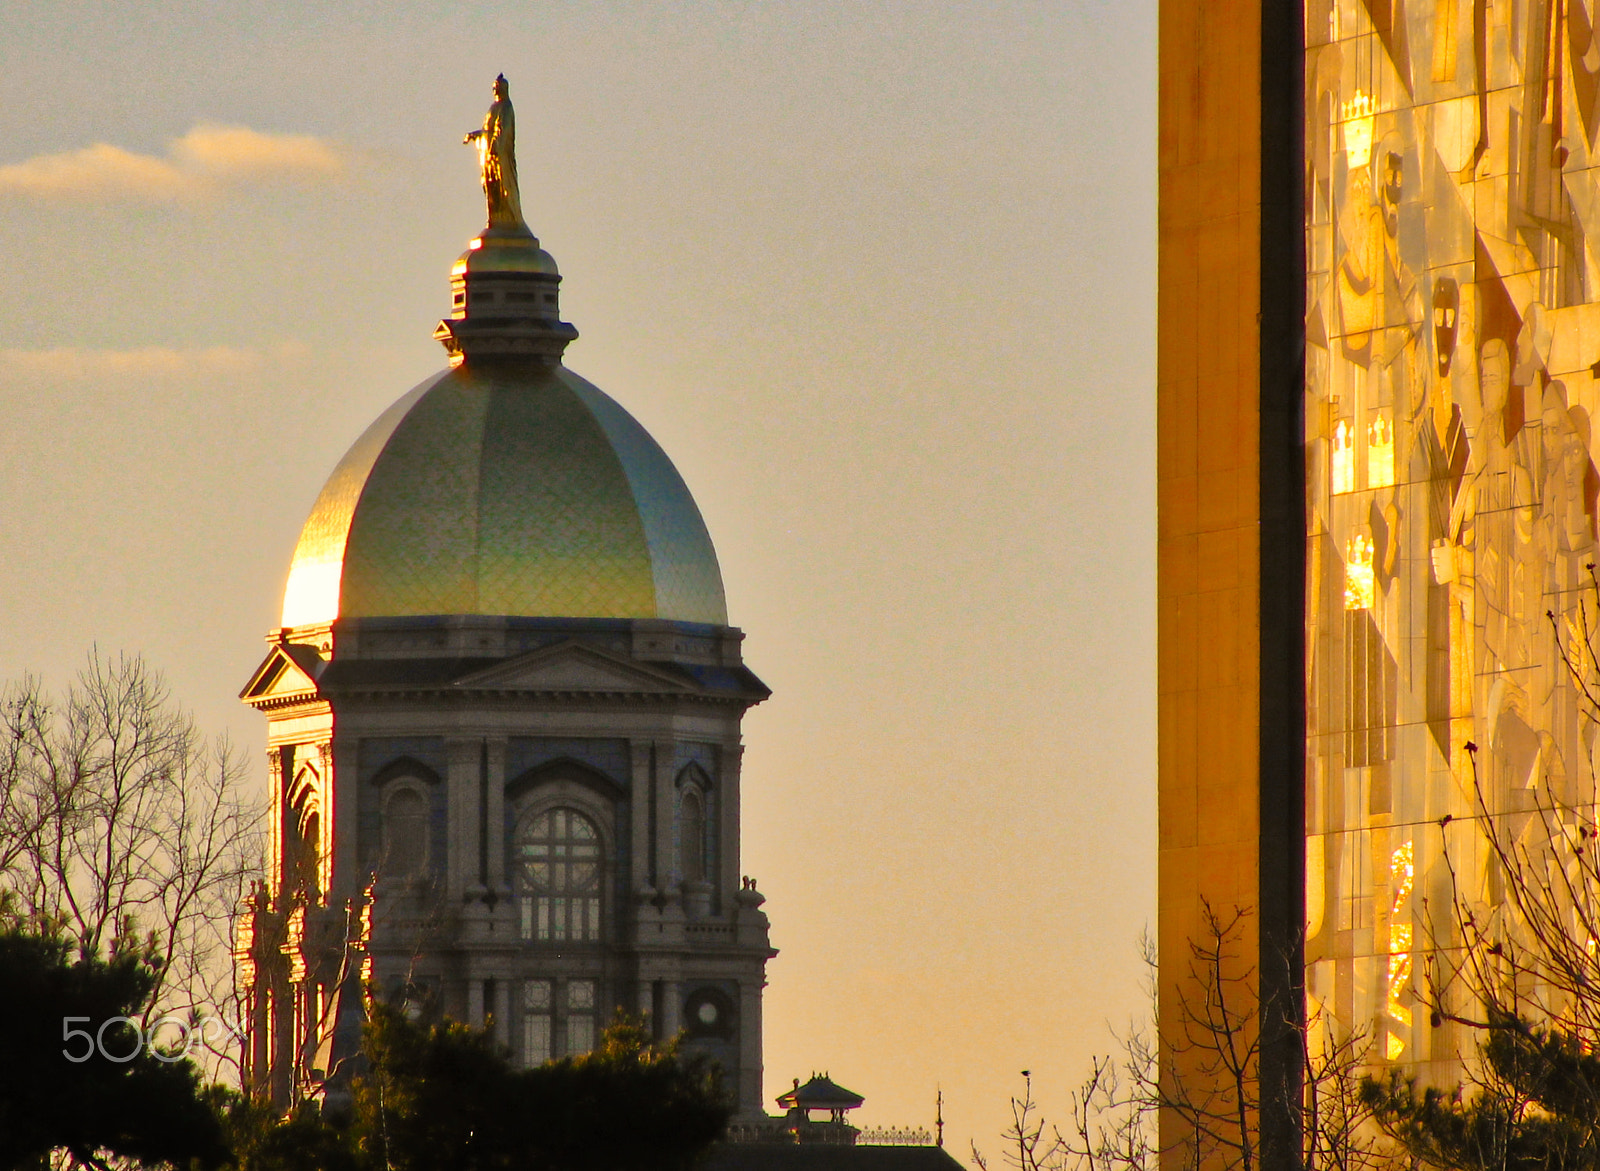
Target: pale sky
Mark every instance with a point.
(880, 278)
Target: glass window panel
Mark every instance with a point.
(560, 852)
(535, 1039)
(580, 1034)
(527, 917)
(405, 833)
(536, 994)
(580, 993)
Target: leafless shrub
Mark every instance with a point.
(120, 825)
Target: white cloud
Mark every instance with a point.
(236, 152)
(205, 161)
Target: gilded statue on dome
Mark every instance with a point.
(497, 158)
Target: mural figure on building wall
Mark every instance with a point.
(1452, 373)
(1446, 315)
(1493, 526)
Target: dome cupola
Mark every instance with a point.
(505, 485)
(501, 488)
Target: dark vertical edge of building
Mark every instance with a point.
(1282, 580)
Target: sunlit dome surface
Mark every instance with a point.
(524, 492)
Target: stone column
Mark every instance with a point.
(750, 1046)
(342, 780)
(497, 815)
(461, 801)
(475, 1002)
(325, 821)
(284, 1041)
(671, 1014)
(666, 830)
(502, 1012)
(640, 798)
(727, 878)
(277, 839)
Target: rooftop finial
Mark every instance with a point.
(497, 158)
(504, 302)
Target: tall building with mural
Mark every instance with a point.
(504, 714)
(1379, 343)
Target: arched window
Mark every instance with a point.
(692, 836)
(405, 834)
(305, 852)
(302, 845)
(558, 876)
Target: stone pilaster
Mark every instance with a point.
(462, 784)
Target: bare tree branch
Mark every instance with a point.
(120, 826)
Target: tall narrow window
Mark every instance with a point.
(405, 834)
(537, 1005)
(306, 858)
(558, 873)
(692, 836)
(580, 1016)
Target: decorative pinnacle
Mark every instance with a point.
(505, 300)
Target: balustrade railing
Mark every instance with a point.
(895, 1136)
(779, 1130)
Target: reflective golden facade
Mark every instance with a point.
(1453, 333)
(1377, 222)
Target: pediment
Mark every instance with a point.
(280, 676)
(574, 667)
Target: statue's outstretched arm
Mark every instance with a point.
(473, 136)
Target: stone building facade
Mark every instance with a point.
(504, 713)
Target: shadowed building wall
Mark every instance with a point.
(1230, 507)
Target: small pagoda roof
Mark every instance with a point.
(820, 1093)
